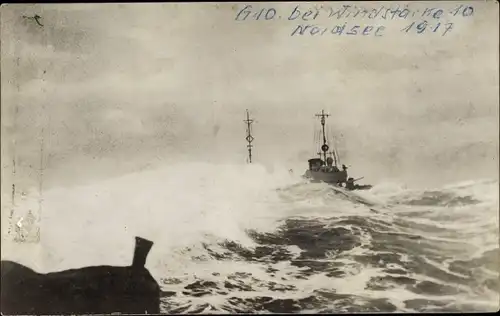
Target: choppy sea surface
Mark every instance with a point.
(242, 239)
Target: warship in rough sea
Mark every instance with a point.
(326, 169)
(323, 169)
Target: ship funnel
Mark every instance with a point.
(142, 248)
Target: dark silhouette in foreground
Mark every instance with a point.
(98, 289)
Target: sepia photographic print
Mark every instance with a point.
(266, 157)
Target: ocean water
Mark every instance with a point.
(243, 238)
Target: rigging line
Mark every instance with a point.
(331, 135)
(316, 140)
(332, 142)
(313, 147)
(336, 150)
(315, 144)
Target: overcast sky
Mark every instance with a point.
(115, 88)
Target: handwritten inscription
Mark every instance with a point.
(432, 20)
(422, 26)
(367, 30)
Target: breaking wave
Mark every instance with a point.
(231, 238)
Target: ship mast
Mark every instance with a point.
(324, 147)
(249, 137)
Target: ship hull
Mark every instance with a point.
(327, 177)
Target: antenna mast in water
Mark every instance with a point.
(324, 147)
(249, 137)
